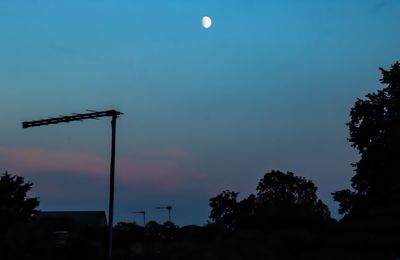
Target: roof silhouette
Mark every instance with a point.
(93, 218)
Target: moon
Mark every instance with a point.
(206, 22)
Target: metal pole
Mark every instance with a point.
(111, 200)
(144, 219)
(79, 117)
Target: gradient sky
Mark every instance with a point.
(268, 86)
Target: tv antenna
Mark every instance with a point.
(92, 115)
(144, 216)
(169, 208)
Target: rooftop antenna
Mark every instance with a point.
(92, 115)
(169, 208)
(144, 216)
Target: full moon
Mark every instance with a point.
(206, 22)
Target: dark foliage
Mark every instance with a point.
(224, 208)
(285, 189)
(15, 207)
(282, 199)
(375, 133)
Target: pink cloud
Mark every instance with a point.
(165, 170)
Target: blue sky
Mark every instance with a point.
(268, 86)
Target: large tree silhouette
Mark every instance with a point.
(278, 188)
(375, 133)
(281, 198)
(285, 199)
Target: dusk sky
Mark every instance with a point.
(268, 86)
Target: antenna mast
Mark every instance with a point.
(93, 115)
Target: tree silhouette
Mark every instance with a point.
(224, 208)
(375, 133)
(286, 193)
(15, 207)
(278, 187)
(281, 198)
